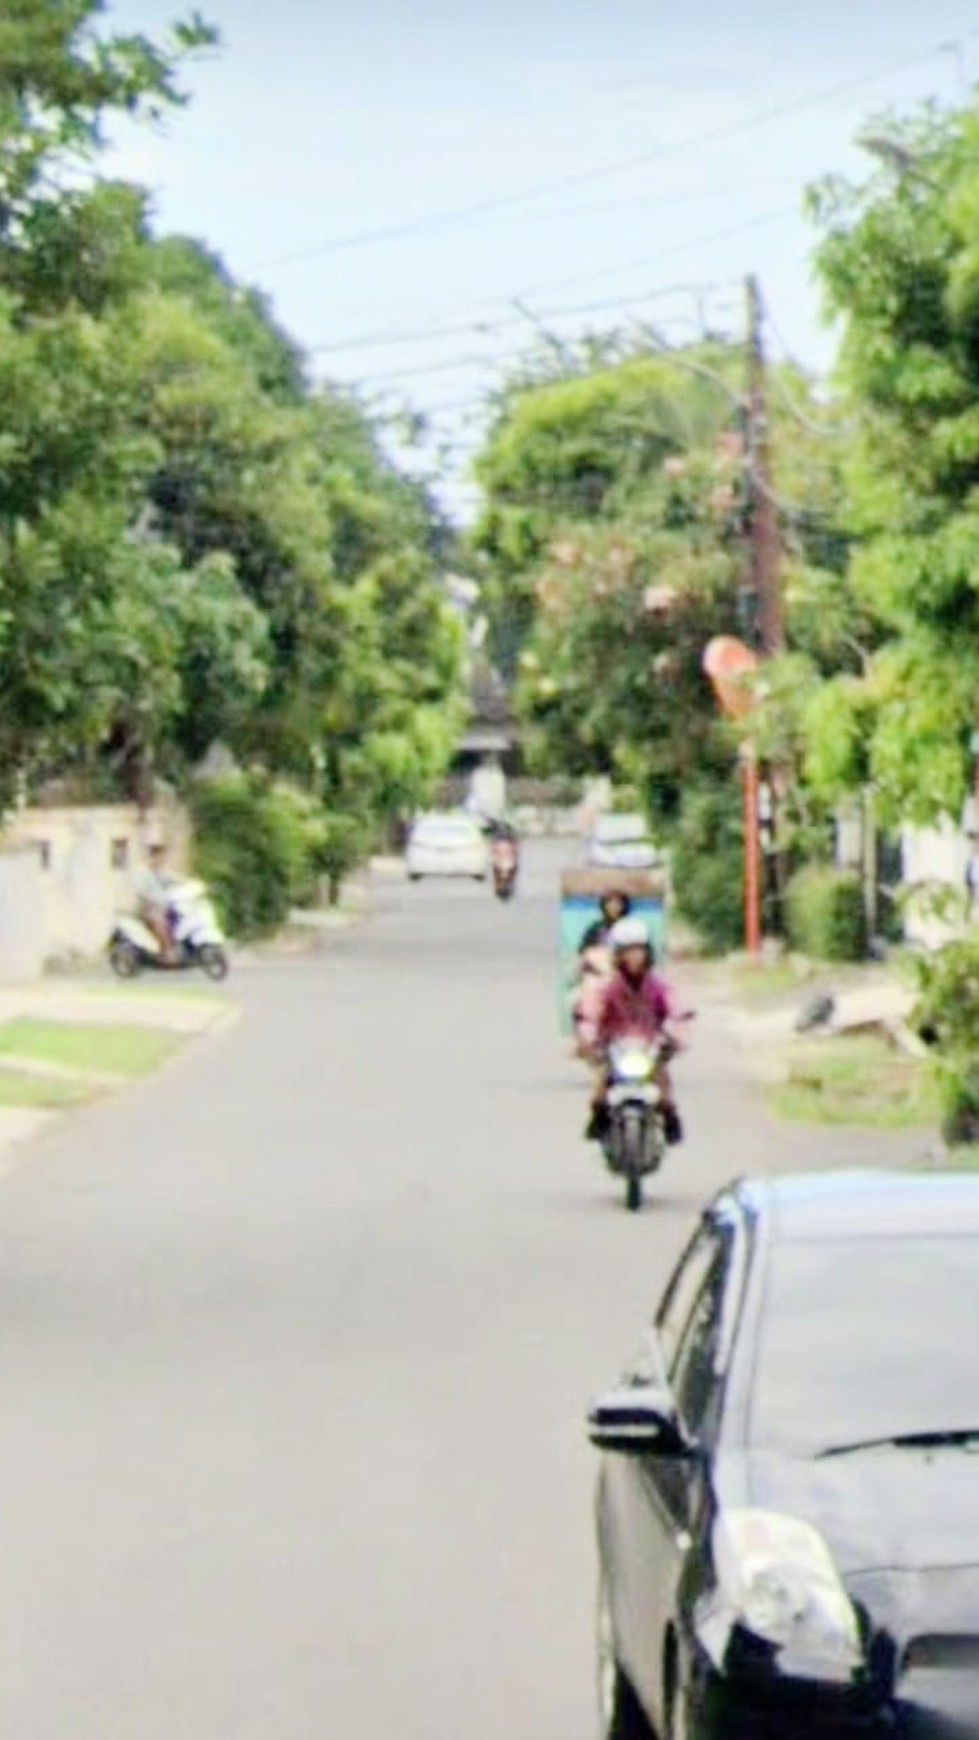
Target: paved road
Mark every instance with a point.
(294, 1348)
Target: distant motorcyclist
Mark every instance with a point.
(615, 905)
(635, 1002)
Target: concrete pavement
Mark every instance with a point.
(296, 1341)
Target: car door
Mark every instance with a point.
(665, 1494)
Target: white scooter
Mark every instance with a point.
(197, 936)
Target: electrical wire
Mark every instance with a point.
(829, 431)
(616, 166)
(467, 328)
(609, 305)
(731, 233)
(675, 248)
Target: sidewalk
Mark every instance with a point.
(64, 1043)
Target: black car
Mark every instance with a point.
(788, 1501)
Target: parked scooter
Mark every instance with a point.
(198, 940)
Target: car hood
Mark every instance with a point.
(881, 1509)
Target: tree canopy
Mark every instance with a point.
(196, 543)
(899, 262)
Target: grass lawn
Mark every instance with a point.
(861, 1080)
(39, 1091)
(116, 1050)
(183, 988)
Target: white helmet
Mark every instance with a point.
(629, 933)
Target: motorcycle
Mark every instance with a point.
(634, 1140)
(503, 854)
(198, 939)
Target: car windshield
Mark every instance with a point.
(866, 1340)
(617, 830)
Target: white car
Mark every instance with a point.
(447, 845)
(622, 842)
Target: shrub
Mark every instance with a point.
(825, 914)
(707, 855)
(257, 846)
(947, 1017)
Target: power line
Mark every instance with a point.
(730, 233)
(497, 360)
(467, 328)
(829, 431)
(607, 305)
(601, 172)
(670, 253)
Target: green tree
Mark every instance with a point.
(194, 544)
(900, 267)
(581, 449)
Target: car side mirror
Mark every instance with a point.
(637, 1421)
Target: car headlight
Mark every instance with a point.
(779, 1576)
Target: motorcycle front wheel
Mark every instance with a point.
(124, 959)
(214, 962)
(633, 1158)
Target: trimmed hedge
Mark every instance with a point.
(825, 914)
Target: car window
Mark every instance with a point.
(446, 831)
(683, 1292)
(694, 1375)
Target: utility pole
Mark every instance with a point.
(763, 590)
(764, 541)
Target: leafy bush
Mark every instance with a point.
(947, 1017)
(707, 853)
(258, 846)
(825, 914)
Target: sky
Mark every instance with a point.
(423, 186)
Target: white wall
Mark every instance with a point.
(84, 859)
(22, 918)
(934, 864)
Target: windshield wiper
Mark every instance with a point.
(963, 1435)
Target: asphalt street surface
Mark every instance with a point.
(296, 1343)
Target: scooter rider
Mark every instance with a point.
(152, 887)
(636, 1001)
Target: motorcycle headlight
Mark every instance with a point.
(634, 1066)
(779, 1576)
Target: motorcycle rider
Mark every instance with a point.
(152, 887)
(504, 847)
(636, 1001)
(615, 905)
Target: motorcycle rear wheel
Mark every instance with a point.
(124, 959)
(214, 962)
